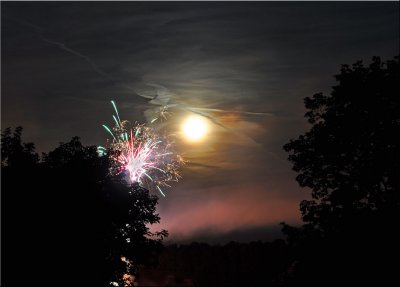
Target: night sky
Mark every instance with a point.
(62, 63)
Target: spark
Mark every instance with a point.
(161, 114)
(144, 156)
(116, 111)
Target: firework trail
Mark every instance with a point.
(141, 154)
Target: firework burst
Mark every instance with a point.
(144, 156)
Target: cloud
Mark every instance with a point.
(256, 56)
(225, 209)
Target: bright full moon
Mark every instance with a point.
(194, 128)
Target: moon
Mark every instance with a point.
(194, 128)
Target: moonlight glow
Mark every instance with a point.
(194, 128)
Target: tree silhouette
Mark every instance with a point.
(350, 159)
(69, 221)
(13, 152)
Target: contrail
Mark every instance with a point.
(161, 99)
(94, 66)
(73, 52)
(40, 32)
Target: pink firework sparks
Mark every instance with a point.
(142, 154)
(137, 160)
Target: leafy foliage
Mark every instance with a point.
(69, 221)
(350, 159)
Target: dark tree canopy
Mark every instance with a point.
(350, 159)
(13, 152)
(68, 221)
